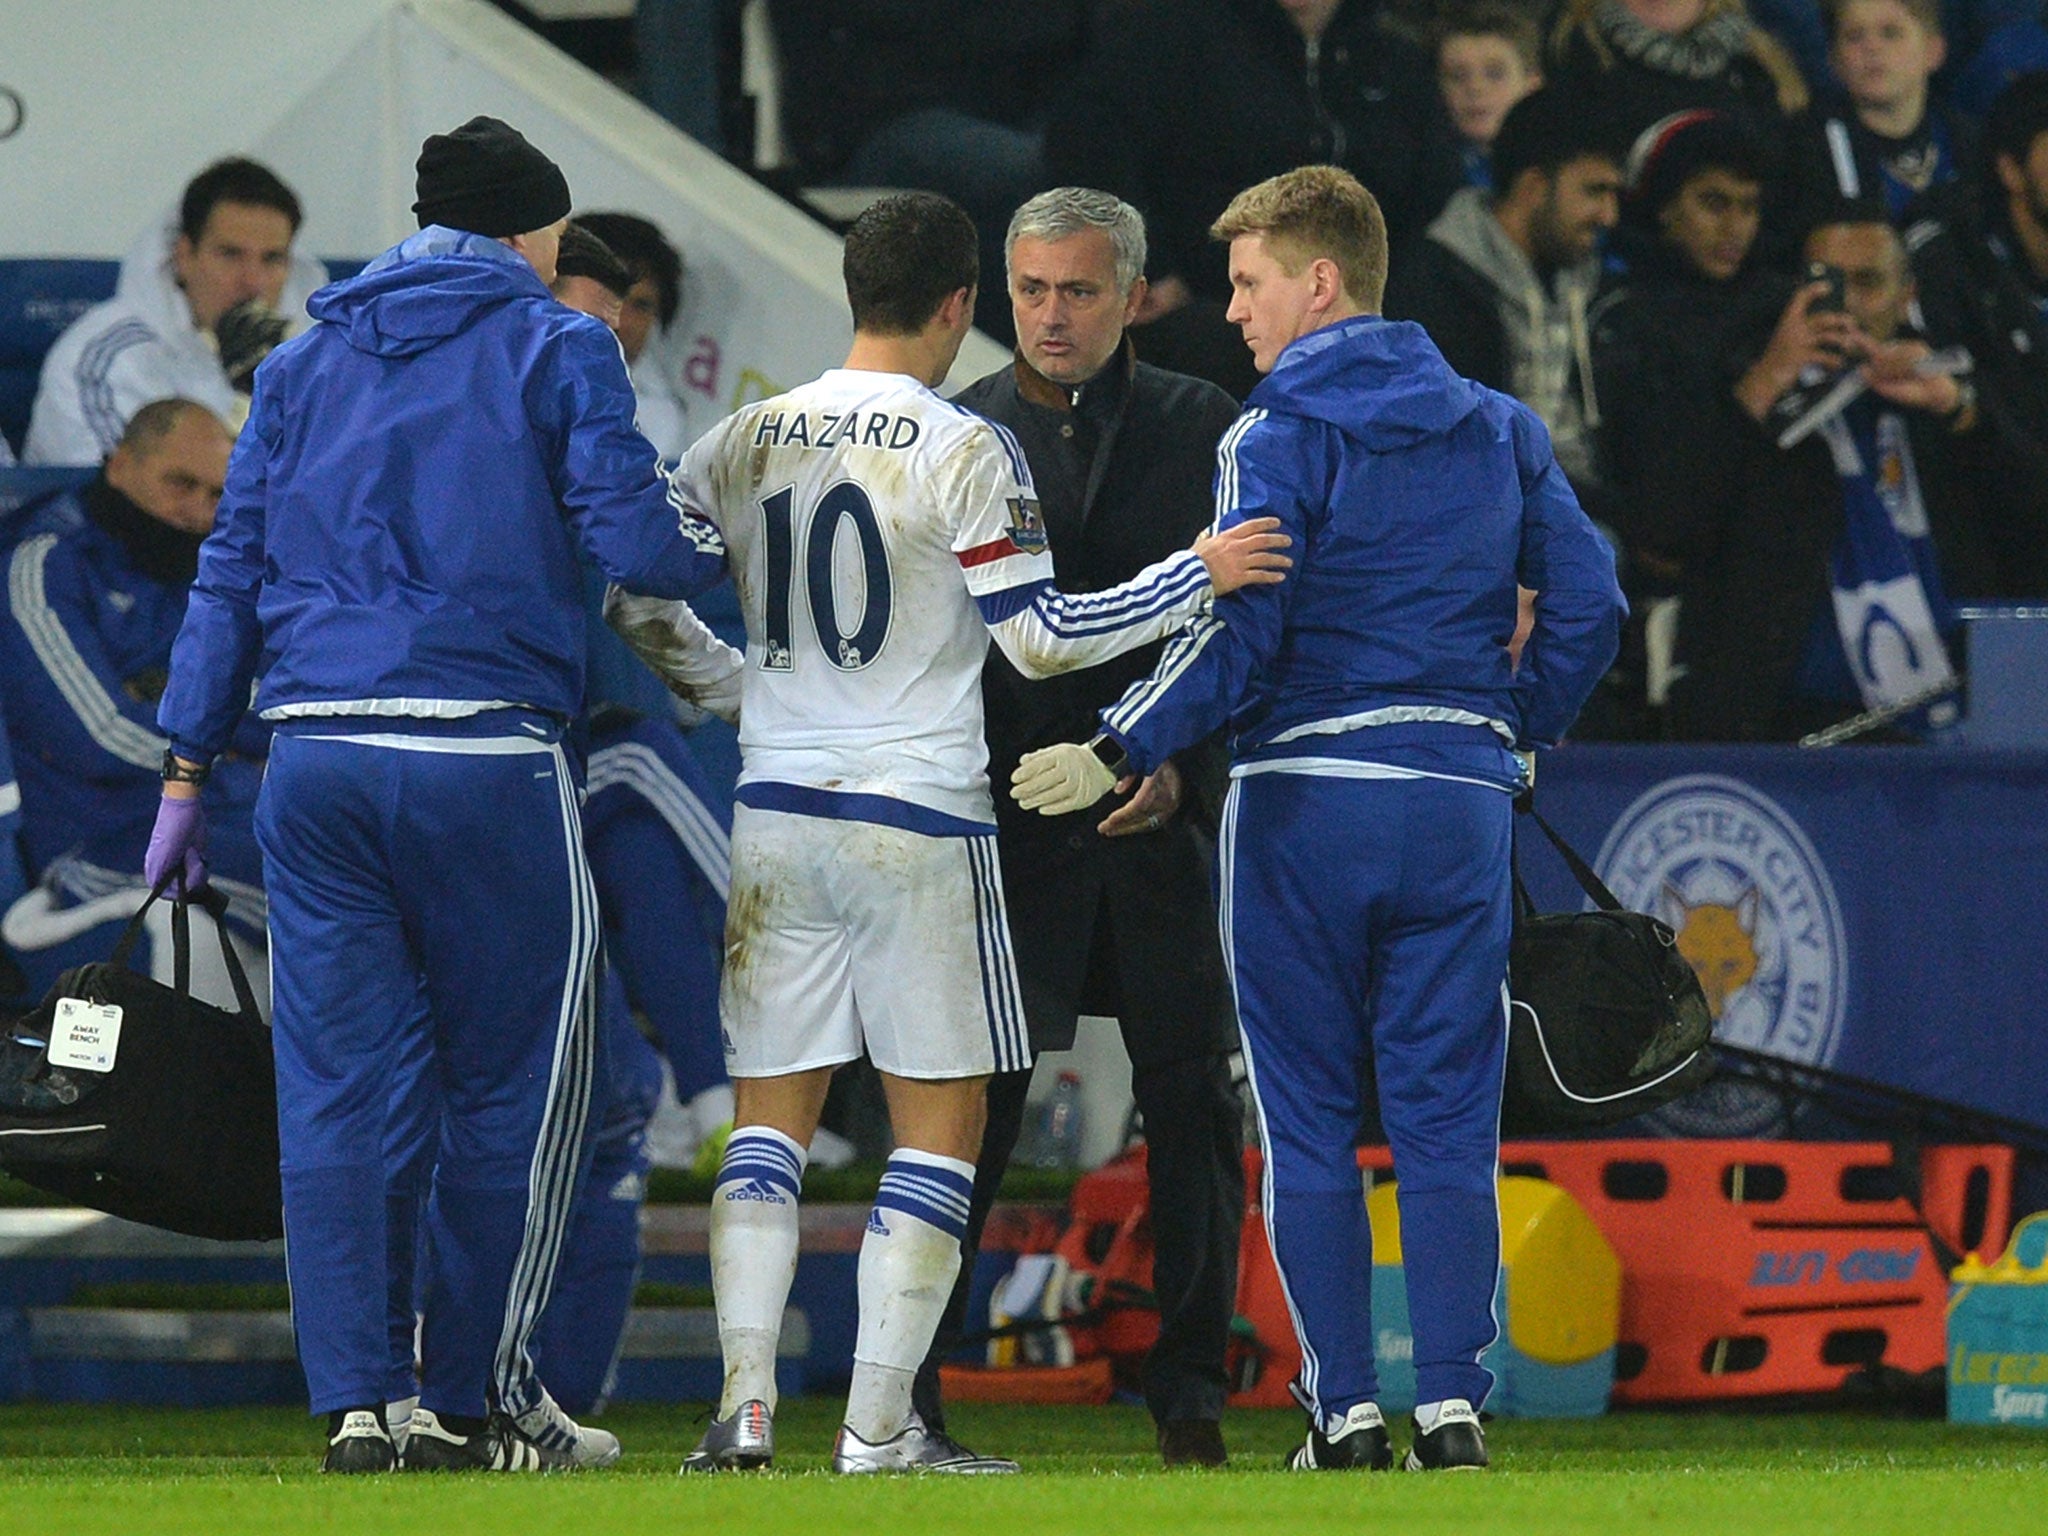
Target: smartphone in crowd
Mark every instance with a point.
(1836, 299)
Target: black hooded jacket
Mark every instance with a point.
(1746, 528)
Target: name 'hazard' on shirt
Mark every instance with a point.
(879, 535)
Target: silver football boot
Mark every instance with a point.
(743, 1443)
(913, 1448)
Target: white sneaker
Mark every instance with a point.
(577, 1445)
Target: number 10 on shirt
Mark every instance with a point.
(849, 649)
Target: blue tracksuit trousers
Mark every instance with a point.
(406, 861)
(575, 1345)
(660, 843)
(1372, 914)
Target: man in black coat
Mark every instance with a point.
(1110, 910)
(1817, 576)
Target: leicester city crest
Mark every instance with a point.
(1754, 911)
(1027, 527)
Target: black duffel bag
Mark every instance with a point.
(181, 1131)
(1607, 1018)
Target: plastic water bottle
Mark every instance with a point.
(1058, 1142)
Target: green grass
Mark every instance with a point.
(679, 1186)
(81, 1470)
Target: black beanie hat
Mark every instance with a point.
(1672, 150)
(485, 178)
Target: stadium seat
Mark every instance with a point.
(761, 81)
(39, 297)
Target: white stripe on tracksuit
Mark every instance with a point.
(83, 691)
(551, 1181)
(80, 882)
(640, 768)
(1227, 490)
(1226, 874)
(96, 404)
(1182, 650)
(1179, 655)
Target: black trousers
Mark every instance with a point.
(1194, 1136)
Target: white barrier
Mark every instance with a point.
(107, 108)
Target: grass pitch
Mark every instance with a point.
(77, 1470)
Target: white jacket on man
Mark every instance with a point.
(139, 346)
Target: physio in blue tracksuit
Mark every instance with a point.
(397, 554)
(1375, 716)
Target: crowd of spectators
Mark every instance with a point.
(1623, 250)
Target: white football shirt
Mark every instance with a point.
(876, 533)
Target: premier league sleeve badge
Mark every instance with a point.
(1027, 527)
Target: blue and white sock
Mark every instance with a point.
(753, 1257)
(908, 1262)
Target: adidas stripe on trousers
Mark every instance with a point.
(412, 861)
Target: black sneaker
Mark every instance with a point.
(357, 1441)
(434, 1446)
(1360, 1444)
(1192, 1443)
(1457, 1444)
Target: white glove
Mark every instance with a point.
(698, 667)
(1056, 780)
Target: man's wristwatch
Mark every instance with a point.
(1110, 753)
(176, 772)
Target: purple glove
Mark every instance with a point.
(178, 838)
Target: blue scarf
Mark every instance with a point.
(1890, 612)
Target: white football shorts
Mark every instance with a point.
(844, 934)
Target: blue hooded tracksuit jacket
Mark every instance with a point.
(400, 529)
(1364, 863)
(1416, 500)
(396, 555)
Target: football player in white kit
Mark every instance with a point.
(879, 536)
